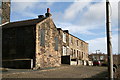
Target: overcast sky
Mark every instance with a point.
(86, 20)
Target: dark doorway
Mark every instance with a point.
(65, 59)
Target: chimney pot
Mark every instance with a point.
(48, 10)
(48, 13)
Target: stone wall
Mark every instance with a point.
(5, 12)
(46, 55)
(18, 42)
(0, 12)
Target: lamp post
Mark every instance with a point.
(96, 58)
(97, 50)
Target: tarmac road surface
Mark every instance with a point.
(59, 72)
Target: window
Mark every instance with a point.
(64, 50)
(64, 37)
(77, 42)
(42, 37)
(0, 4)
(0, 20)
(77, 54)
(56, 43)
(82, 54)
(81, 44)
(101, 57)
(93, 57)
(74, 53)
(69, 39)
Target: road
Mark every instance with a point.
(60, 72)
(117, 73)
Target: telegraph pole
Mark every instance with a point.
(109, 44)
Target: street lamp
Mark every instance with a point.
(97, 50)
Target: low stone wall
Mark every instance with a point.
(80, 62)
(73, 63)
(84, 63)
(18, 64)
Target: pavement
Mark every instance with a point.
(15, 71)
(58, 72)
(117, 73)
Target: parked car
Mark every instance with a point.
(96, 63)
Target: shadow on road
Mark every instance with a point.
(101, 75)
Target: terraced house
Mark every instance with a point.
(74, 50)
(38, 43)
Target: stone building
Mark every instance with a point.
(38, 43)
(4, 11)
(74, 50)
(31, 43)
(78, 50)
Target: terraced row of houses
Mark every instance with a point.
(38, 43)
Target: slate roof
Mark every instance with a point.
(23, 23)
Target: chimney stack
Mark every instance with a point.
(48, 13)
(40, 16)
(48, 10)
(66, 31)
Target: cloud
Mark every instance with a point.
(95, 15)
(74, 9)
(33, 0)
(85, 13)
(82, 17)
(94, 18)
(75, 28)
(58, 0)
(24, 10)
(91, 19)
(101, 44)
(114, 14)
(79, 17)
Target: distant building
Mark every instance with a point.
(4, 12)
(103, 57)
(98, 56)
(38, 43)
